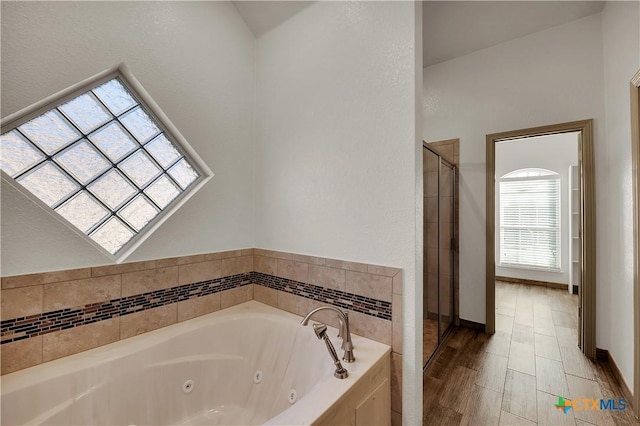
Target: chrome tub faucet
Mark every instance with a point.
(344, 331)
(321, 333)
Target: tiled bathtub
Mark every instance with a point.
(249, 364)
(50, 315)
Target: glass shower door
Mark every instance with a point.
(430, 323)
(445, 252)
(438, 279)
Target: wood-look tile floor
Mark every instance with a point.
(516, 376)
(429, 338)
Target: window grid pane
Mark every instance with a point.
(83, 211)
(139, 212)
(113, 141)
(113, 189)
(82, 161)
(112, 235)
(18, 155)
(162, 191)
(141, 126)
(90, 138)
(115, 96)
(85, 112)
(183, 173)
(163, 151)
(50, 131)
(49, 184)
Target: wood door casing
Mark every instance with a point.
(588, 223)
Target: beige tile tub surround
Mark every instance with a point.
(192, 308)
(21, 302)
(68, 294)
(148, 320)
(66, 342)
(149, 280)
(379, 282)
(36, 293)
(369, 285)
(199, 271)
(236, 296)
(293, 270)
(33, 294)
(49, 277)
(21, 354)
(327, 276)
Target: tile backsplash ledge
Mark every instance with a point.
(16, 329)
(50, 315)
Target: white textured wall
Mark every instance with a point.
(551, 152)
(548, 77)
(621, 43)
(336, 144)
(197, 62)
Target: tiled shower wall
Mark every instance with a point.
(50, 315)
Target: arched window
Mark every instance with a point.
(526, 173)
(530, 219)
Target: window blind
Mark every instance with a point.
(530, 223)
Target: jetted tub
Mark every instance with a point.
(246, 365)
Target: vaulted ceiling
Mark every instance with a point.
(262, 16)
(457, 28)
(450, 28)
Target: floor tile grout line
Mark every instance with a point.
(551, 359)
(579, 377)
(520, 417)
(504, 384)
(549, 393)
(521, 372)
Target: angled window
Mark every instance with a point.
(100, 158)
(530, 219)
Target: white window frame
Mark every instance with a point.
(151, 107)
(550, 175)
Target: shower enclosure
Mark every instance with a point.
(439, 249)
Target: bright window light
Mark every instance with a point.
(527, 173)
(101, 160)
(530, 219)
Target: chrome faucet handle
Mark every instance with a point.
(347, 345)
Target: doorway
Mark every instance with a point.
(583, 245)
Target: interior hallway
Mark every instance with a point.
(516, 376)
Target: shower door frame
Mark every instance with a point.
(452, 250)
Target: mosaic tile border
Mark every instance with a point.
(365, 305)
(15, 329)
